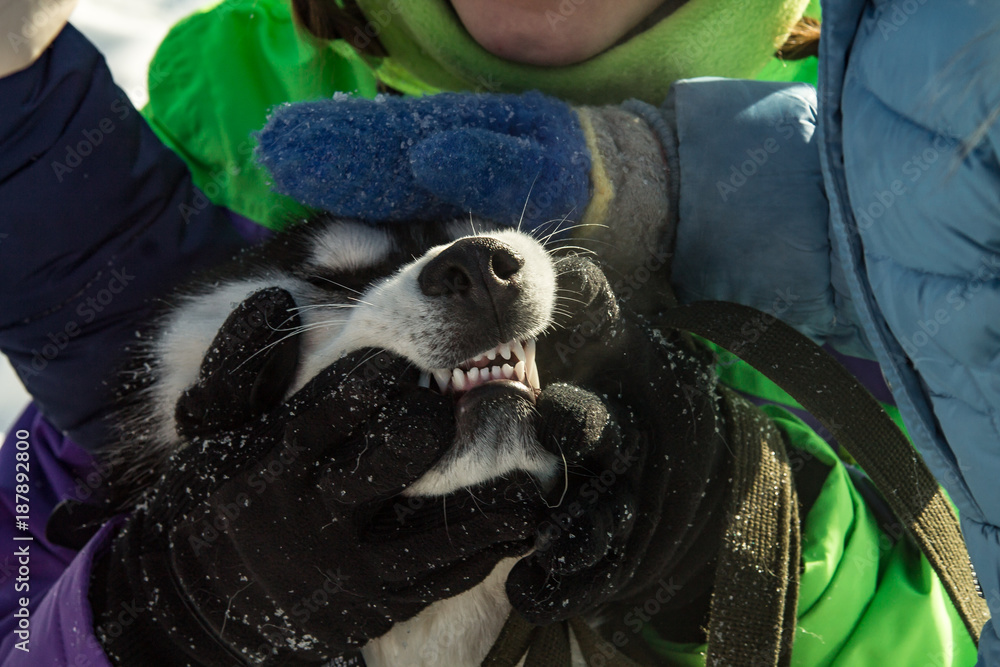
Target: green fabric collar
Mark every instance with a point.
(731, 38)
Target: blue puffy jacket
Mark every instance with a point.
(900, 156)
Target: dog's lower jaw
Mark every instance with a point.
(497, 439)
(459, 631)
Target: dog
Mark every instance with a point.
(363, 286)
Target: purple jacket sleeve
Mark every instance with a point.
(45, 618)
(97, 219)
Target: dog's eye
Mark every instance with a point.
(327, 281)
(354, 282)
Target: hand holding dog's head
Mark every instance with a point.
(270, 495)
(633, 414)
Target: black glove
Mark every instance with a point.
(635, 414)
(274, 535)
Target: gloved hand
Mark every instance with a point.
(274, 533)
(527, 160)
(635, 414)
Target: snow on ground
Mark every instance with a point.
(127, 32)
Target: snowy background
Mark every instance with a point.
(127, 32)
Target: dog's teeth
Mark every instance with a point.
(519, 371)
(529, 353)
(508, 371)
(492, 354)
(533, 376)
(505, 350)
(424, 381)
(458, 379)
(443, 377)
(473, 375)
(518, 350)
(496, 373)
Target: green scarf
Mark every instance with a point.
(730, 38)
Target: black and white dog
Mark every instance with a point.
(360, 286)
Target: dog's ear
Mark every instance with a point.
(247, 370)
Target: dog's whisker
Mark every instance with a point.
(294, 332)
(527, 198)
(569, 298)
(324, 305)
(557, 228)
(586, 251)
(565, 490)
(363, 362)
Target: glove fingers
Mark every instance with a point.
(573, 422)
(579, 542)
(543, 598)
(390, 442)
(457, 577)
(413, 547)
(401, 443)
(585, 281)
(348, 392)
(249, 366)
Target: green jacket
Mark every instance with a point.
(864, 600)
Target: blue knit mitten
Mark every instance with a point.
(395, 159)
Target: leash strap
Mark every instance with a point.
(756, 592)
(860, 425)
(514, 639)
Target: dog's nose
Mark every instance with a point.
(480, 270)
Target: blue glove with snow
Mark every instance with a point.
(523, 160)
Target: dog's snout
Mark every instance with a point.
(481, 269)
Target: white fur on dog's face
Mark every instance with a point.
(389, 312)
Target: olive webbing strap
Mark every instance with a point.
(756, 591)
(827, 390)
(512, 642)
